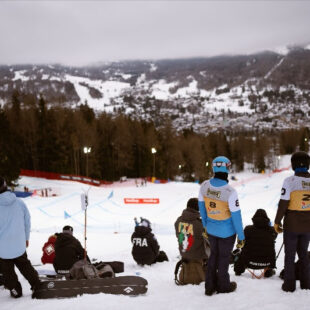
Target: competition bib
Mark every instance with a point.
(299, 201)
(217, 209)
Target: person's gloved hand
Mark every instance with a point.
(278, 228)
(240, 244)
(205, 234)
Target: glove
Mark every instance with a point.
(278, 228)
(205, 234)
(240, 244)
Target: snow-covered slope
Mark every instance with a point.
(110, 224)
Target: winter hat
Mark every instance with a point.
(192, 203)
(68, 230)
(300, 160)
(144, 222)
(3, 186)
(260, 218)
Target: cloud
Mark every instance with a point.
(81, 32)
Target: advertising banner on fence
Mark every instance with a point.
(141, 200)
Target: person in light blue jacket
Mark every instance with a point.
(221, 217)
(14, 238)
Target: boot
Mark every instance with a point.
(209, 292)
(36, 288)
(269, 273)
(232, 288)
(17, 291)
(289, 286)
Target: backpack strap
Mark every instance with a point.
(177, 267)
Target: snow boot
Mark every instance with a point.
(269, 273)
(17, 291)
(304, 285)
(209, 292)
(289, 286)
(232, 288)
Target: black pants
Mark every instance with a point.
(296, 243)
(24, 266)
(1, 275)
(217, 276)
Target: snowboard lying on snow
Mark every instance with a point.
(60, 288)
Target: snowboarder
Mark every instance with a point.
(145, 249)
(14, 239)
(259, 250)
(192, 245)
(221, 216)
(68, 250)
(294, 207)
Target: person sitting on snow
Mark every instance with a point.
(259, 250)
(68, 250)
(48, 249)
(145, 250)
(193, 247)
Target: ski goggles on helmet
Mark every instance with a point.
(222, 164)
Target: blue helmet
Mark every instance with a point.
(221, 164)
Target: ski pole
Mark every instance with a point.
(280, 250)
(85, 236)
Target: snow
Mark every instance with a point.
(153, 67)
(110, 225)
(273, 69)
(19, 75)
(307, 47)
(125, 76)
(109, 90)
(160, 90)
(282, 50)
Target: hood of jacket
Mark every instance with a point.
(142, 230)
(260, 219)
(64, 239)
(52, 238)
(190, 214)
(7, 198)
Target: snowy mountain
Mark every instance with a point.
(265, 90)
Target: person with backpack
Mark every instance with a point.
(259, 250)
(294, 208)
(192, 245)
(221, 216)
(68, 250)
(145, 248)
(48, 249)
(14, 239)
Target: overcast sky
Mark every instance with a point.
(83, 32)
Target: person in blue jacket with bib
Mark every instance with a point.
(221, 217)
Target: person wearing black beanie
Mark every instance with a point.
(294, 208)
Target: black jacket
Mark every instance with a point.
(145, 246)
(189, 229)
(259, 249)
(68, 250)
(294, 221)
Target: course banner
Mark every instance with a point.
(141, 200)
